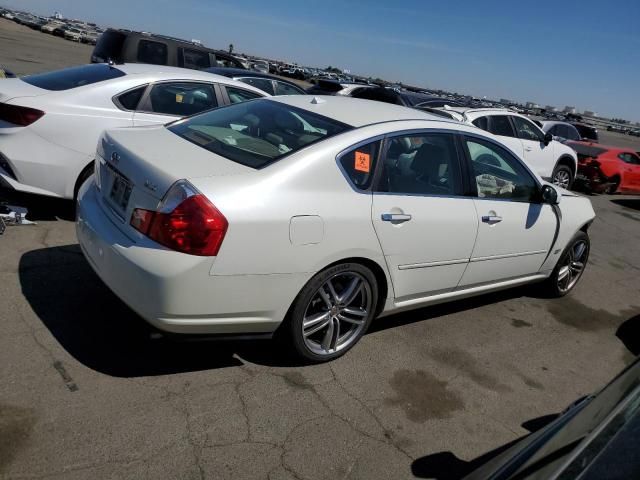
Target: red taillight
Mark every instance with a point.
(18, 115)
(195, 226)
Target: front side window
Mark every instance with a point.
(73, 77)
(257, 133)
(498, 174)
(527, 130)
(263, 84)
(182, 99)
(195, 59)
(629, 158)
(238, 95)
(286, 89)
(154, 53)
(359, 164)
(573, 133)
(421, 164)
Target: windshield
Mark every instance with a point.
(73, 77)
(258, 132)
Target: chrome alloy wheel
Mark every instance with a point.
(337, 313)
(562, 178)
(573, 266)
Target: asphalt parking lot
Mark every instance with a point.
(88, 391)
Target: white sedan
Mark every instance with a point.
(50, 122)
(313, 215)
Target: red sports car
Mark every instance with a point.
(607, 169)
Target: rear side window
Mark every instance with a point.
(154, 53)
(129, 100)
(73, 77)
(257, 133)
(237, 95)
(263, 84)
(358, 164)
(286, 89)
(182, 99)
(195, 59)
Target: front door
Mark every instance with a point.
(540, 157)
(515, 231)
(426, 228)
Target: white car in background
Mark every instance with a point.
(313, 215)
(549, 158)
(50, 122)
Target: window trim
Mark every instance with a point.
(144, 105)
(116, 98)
(473, 186)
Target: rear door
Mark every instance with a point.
(165, 102)
(425, 225)
(515, 231)
(539, 157)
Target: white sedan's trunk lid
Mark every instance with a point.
(139, 165)
(12, 88)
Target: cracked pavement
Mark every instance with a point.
(88, 391)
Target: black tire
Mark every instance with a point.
(310, 298)
(552, 286)
(565, 172)
(614, 187)
(83, 177)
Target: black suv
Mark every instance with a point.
(125, 46)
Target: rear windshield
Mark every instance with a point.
(258, 132)
(73, 77)
(109, 47)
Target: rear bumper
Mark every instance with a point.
(591, 178)
(175, 292)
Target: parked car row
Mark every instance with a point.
(68, 29)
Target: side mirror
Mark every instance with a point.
(547, 138)
(550, 195)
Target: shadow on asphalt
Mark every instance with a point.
(632, 203)
(40, 208)
(102, 333)
(629, 334)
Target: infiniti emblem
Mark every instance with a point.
(115, 158)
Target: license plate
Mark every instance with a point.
(120, 191)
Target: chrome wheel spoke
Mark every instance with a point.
(354, 321)
(358, 312)
(577, 266)
(317, 328)
(328, 336)
(315, 319)
(351, 292)
(562, 273)
(325, 297)
(332, 291)
(581, 247)
(336, 334)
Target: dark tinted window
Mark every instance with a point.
(237, 95)
(286, 89)
(182, 98)
(195, 59)
(256, 133)
(500, 125)
(527, 130)
(421, 165)
(629, 158)
(73, 77)
(587, 132)
(263, 84)
(129, 100)
(109, 46)
(499, 174)
(573, 133)
(482, 123)
(359, 164)
(561, 131)
(152, 52)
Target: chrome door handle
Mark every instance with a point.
(395, 217)
(491, 219)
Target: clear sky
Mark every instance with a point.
(580, 53)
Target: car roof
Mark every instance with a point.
(354, 111)
(239, 72)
